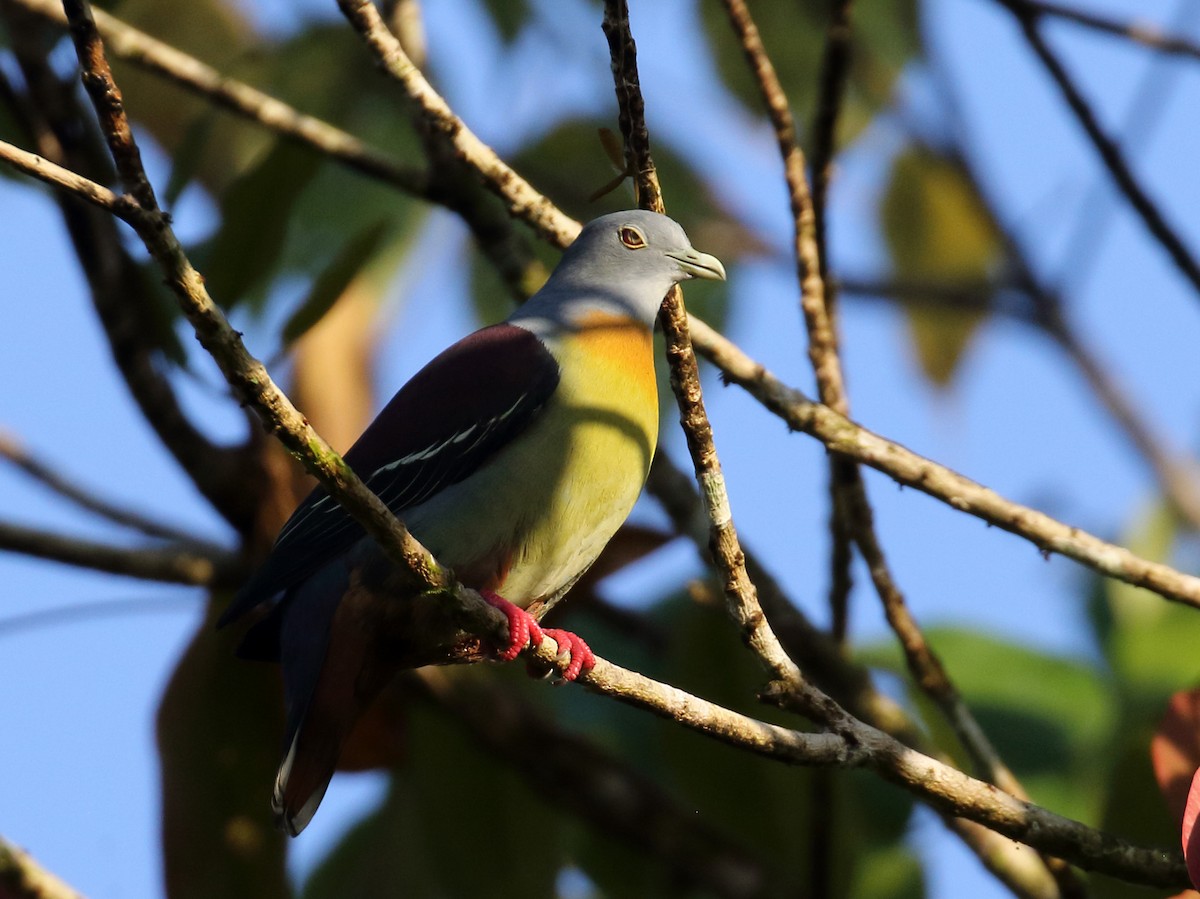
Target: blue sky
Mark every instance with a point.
(80, 789)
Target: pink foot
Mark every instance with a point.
(523, 631)
(582, 658)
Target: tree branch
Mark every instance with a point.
(906, 467)
(1146, 35)
(945, 787)
(1110, 154)
(14, 452)
(120, 294)
(23, 878)
(190, 564)
(134, 46)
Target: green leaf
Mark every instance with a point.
(885, 37)
(509, 16)
(255, 213)
(218, 730)
(333, 280)
(1053, 739)
(453, 823)
(937, 228)
(1152, 645)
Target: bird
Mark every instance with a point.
(513, 456)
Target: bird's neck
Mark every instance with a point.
(552, 311)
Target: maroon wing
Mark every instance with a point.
(445, 423)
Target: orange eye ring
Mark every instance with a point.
(631, 237)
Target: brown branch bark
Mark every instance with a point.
(855, 743)
(1144, 34)
(12, 450)
(961, 493)
(189, 564)
(1111, 156)
(120, 296)
(21, 877)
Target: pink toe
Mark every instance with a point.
(582, 657)
(523, 630)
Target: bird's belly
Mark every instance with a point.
(532, 519)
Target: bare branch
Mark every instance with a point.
(523, 201)
(1109, 152)
(23, 878)
(726, 550)
(119, 292)
(906, 467)
(1140, 33)
(15, 453)
(132, 45)
(198, 566)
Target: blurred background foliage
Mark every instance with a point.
(298, 240)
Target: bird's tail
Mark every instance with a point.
(324, 648)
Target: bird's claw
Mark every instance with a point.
(524, 631)
(582, 659)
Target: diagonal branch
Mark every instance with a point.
(1147, 35)
(14, 452)
(740, 595)
(961, 493)
(119, 290)
(21, 877)
(134, 46)
(183, 563)
(1028, 17)
(851, 503)
(945, 787)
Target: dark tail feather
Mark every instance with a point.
(329, 679)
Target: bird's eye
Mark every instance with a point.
(631, 237)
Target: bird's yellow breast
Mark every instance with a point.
(535, 517)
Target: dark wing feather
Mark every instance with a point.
(450, 419)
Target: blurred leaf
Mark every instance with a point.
(333, 280)
(1175, 750)
(937, 228)
(886, 36)
(509, 16)
(889, 873)
(255, 213)
(755, 801)
(219, 726)
(216, 32)
(187, 160)
(1053, 739)
(1133, 807)
(1191, 836)
(455, 823)
(1152, 645)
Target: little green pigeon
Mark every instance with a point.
(514, 456)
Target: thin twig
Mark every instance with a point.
(522, 200)
(134, 46)
(179, 564)
(1139, 33)
(853, 507)
(726, 550)
(18, 455)
(949, 789)
(23, 878)
(961, 493)
(57, 119)
(1110, 154)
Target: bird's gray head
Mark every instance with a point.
(623, 263)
